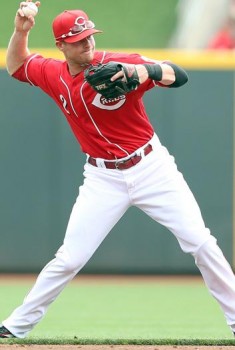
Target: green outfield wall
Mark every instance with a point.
(42, 165)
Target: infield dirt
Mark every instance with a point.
(111, 347)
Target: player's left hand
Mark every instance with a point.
(113, 79)
(140, 69)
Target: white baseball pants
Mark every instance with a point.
(155, 186)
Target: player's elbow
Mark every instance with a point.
(180, 80)
(9, 66)
(14, 62)
(181, 77)
(10, 71)
(13, 67)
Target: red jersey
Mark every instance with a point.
(105, 128)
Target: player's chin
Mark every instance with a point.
(88, 56)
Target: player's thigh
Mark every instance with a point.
(101, 202)
(167, 198)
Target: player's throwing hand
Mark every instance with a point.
(25, 23)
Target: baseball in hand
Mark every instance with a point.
(30, 9)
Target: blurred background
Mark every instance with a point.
(184, 24)
(41, 163)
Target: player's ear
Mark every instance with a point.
(59, 45)
(93, 40)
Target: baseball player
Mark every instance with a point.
(126, 162)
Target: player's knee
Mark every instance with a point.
(207, 251)
(194, 240)
(69, 263)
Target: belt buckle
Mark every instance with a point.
(117, 164)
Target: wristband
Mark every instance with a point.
(154, 71)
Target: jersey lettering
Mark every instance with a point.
(108, 103)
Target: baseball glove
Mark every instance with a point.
(99, 79)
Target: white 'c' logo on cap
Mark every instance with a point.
(80, 21)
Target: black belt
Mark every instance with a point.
(125, 164)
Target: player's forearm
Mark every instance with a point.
(168, 74)
(17, 51)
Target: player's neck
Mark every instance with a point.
(75, 69)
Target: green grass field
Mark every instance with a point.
(125, 312)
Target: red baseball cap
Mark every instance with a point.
(73, 25)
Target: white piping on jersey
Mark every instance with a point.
(67, 88)
(104, 53)
(95, 125)
(70, 100)
(26, 69)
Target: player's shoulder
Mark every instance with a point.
(45, 60)
(47, 66)
(122, 57)
(125, 57)
(106, 56)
